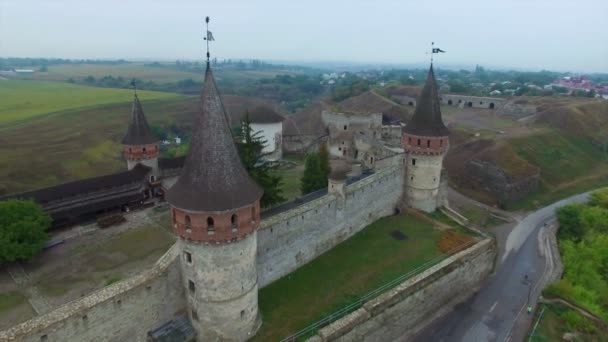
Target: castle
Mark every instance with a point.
(206, 286)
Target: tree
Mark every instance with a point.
(313, 178)
(250, 146)
(324, 161)
(570, 225)
(599, 198)
(23, 226)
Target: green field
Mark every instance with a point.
(26, 99)
(360, 264)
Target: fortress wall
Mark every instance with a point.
(124, 311)
(292, 238)
(405, 310)
(472, 101)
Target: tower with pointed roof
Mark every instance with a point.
(425, 140)
(140, 146)
(215, 209)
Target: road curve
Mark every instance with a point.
(497, 311)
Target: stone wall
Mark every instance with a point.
(292, 238)
(402, 312)
(465, 101)
(124, 311)
(504, 188)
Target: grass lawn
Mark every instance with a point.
(107, 262)
(26, 99)
(11, 300)
(358, 265)
(14, 309)
(291, 176)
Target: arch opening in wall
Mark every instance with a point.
(253, 214)
(491, 105)
(234, 222)
(450, 102)
(397, 211)
(428, 143)
(418, 142)
(441, 143)
(470, 104)
(411, 104)
(144, 149)
(152, 179)
(210, 225)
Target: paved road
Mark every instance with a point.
(497, 311)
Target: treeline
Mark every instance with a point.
(9, 63)
(236, 64)
(583, 244)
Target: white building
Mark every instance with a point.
(270, 123)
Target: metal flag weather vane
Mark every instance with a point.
(434, 50)
(208, 37)
(134, 86)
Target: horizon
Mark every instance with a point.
(542, 35)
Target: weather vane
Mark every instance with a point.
(134, 86)
(434, 50)
(208, 38)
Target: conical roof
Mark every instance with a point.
(427, 117)
(213, 177)
(138, 132)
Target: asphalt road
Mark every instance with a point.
(498, 311)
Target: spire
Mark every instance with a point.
(138, 132)
(427, 117)
(213, 177)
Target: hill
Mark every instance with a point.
(25, 99)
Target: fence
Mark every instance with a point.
(312, 329)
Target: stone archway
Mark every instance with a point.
(470, 104)
(450, 102)
(491, 105)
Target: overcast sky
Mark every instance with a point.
(568, 35)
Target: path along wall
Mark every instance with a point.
(292, 238)
(405, 310)
(124, 311)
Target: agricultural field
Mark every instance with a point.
(26, 99)
(358, 265)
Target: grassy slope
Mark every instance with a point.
(76, 144)
(26, 99)
(365, 261)
(558, 320)
(568, 165)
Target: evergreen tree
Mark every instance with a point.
(250, 145)
(324, 161)
(314, 177)
(23, 226)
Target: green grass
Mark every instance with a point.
(11, 300)
(77, 143)
(358, 265)
(568, 165)
(25, 99)
(62, 72)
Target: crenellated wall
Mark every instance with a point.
(294, 237)
(124, 311)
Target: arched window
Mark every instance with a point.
(210, 226)
(130, 149)
(234, 221)
(409, 140)
(428, 143)
(253, 214)
(188, 223)
(441, 143)
(144, 149)
(418, 142)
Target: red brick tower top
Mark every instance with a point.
(426, 133)
(214, 200)
(139, 142)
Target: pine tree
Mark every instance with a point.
(314, 177)
(250, 145)
(324, 161)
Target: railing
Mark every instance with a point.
(312, 329)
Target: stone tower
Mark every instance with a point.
(215, 213)
(425, 141)
(140, 146)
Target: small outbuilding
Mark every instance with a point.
(266, 120)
